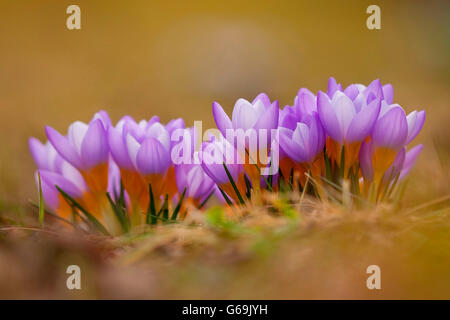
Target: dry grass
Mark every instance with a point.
(313, 251)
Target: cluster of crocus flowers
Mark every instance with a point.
(357, 134)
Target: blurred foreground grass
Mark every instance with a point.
(280, 252)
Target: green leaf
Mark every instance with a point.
(248, 187)
(236, 190)
(41, 202)
(151, 211)
(177, 208)
(228, 201)
(269, 182)
(165, 208)
(291, 179)
(280, 179)
(206, 200)
(73, 203)
(120, 213)
(54, 215)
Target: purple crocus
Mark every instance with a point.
(343, 120)
(86, 148)
(214, 154)
(149, 153)
(141, 151)
(362, 95)
(67, 182)
(188, 171)
(45, 156)
(256, 120)
(171, 127)
(391, 129)
(304, 142)
(197, 183)
(414, 121)
(175, 124)
(259, 114)
(54, 170)
(359, 91)
(305, 103)
(379, 167)
(132, 143)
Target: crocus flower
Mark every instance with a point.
(359, 91)
(141, 150)
(259, 114)
(171, 184)
(197, 183)
(392, 132)
(379, 168)
(414, 120)
(216, 153)
(86, 148)
(67, 181)
(45, 156)
(257, 119)
(346, 123)
(304, 143)
(54, 170)
(174, 124)
(305, 105)
(188, 171)
(132, 181)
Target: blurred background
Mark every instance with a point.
(174, 58)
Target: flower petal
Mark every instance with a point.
(388, 93)
(352, 91)
(293, 149)
(39, 153)
(104, 117)
(223, 122)
(244, 115)
(152, 157)
(175, 124)
(333, 86)
(64, 147)
(363, 123)
(269, 120)
(365, 160)
(306, 102)
(95, 149)
(263, 98)
(159, 132)
(76, 133)
(118, 148)
(394, 170)
(328, 117)
(415, 123)
(391, 130)
(344, 110)
(132, 148)
(65, 184)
